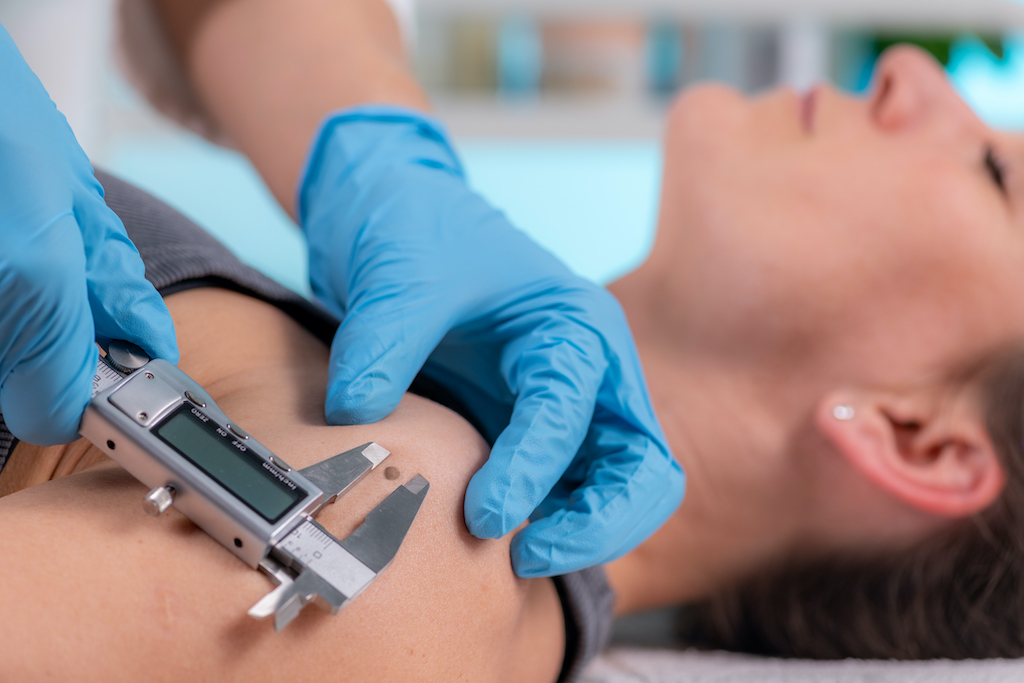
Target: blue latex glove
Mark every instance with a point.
(424, 273)
(67, 269)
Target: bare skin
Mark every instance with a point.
(843, 252)
(96, 590)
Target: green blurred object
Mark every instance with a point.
(938, 44)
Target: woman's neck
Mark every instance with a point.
(725, 427)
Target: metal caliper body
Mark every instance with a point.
(164, 429)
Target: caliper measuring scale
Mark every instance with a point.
(167, 432)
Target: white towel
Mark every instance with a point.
(635, 665)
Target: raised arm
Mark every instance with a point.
(268, 71)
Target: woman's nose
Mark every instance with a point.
(911, 89)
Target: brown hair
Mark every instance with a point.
(957, 595)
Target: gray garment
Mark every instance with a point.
(7, 443)
(180, 255)
(587, 603)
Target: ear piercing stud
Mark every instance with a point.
(843, 412)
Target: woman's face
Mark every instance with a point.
(875, 233)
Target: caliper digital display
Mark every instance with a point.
(229, 463)
(166, 430)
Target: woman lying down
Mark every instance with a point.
(831, 325)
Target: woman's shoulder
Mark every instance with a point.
(130, 594)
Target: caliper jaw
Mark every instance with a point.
(310, 564)
(292, 594)
(284, 602)
(336, 475)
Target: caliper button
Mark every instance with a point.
(238, 431)
(158, 500)
(192, 396)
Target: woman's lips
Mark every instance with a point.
(807, 109)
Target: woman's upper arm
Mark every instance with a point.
(267, 72)
(94, 589)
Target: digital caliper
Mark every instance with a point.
(162, 426)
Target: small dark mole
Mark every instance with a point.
(391, 473)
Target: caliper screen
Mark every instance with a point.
(220, 456)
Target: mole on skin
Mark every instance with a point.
(391, 473)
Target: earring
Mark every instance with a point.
(843, 412)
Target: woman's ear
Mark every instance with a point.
(930, 451)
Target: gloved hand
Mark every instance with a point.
(422, 271)
(68, 271)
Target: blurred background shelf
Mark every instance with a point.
(567, 117)
(557, 106)
(915, 14)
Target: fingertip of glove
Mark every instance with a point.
(483, 520)
(167, 349)
(660, 478)
(678, 478)
(528, 563)
(485, 524)
(160, 344)
(355, 415)
(142, 319)
(673, 483)
(358, 403)
(52, 436)
(58, 428)
(487, 514)
(45, 425)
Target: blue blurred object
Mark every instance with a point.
(520, 57)
(993, 87)
(664, 56)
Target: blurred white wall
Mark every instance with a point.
(803, 52)
(66, 44)
(593, 201)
